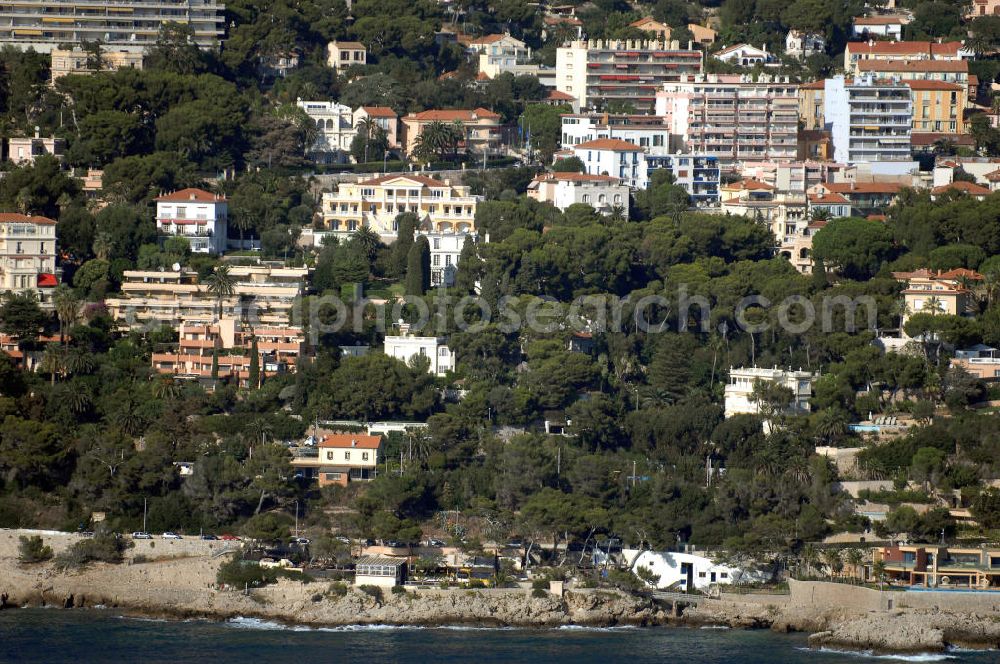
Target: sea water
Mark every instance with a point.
(55, 635)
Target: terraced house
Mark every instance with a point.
(374, 203)
(941, 566)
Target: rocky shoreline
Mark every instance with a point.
(835, 615)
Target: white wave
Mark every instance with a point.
(714, 627)
(241, 622)
(589, 628)
(868, 654)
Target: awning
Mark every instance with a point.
(46, 280)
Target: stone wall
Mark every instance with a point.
(824, 595)
(151, 549)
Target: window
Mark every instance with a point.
(329, 455)
(437, 243)
(367, 192)
(701, 575)
(436, 261)
(364, 456)
(586, 198)
(658, 141)
(347, 456)
(332, 477)
(447, 260)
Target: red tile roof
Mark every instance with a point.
(419, 179)
(933, 85)
(191, 194)
(613, 144)
(863, 187)
(749, 184)
(828, 199)
(379, 111)
(350, 440)
(879, 20)
(15, 217)
(486, 39)
(906, 48)
(962, 186)
(453, 115)
(559, 95)
(993, 176)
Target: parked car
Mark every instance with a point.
(209, 537)
(343, 538)
(137, 535)
(300, 540)
(171, 536)
(435, 542)
(226, 537)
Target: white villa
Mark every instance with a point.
(684, 571)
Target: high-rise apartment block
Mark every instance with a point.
(131, 25)
(733, 117)
(601, 72)
(870, 121)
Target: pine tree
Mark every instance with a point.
(406, 227)
(418, 267)
(819, 274)
(470, 267)
(254, 366)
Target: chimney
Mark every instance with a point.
(354, 443)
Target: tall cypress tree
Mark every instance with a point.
(254, 365)
(418, 267)
(215, 363)
(406, 227)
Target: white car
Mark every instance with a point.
(169, 535)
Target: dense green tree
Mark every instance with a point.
(418, 267)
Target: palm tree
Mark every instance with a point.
(820, 214)
(221, 284)
(833, 561)
(433, 140)
(854, 558)
(369, 241)
(67, 307)
(165, 388)
(366, 127)
(933, 305)
(878, 571)
(944, 147)
(52, 362)
(102, 246)
(831, 425)
(617, 215)
(809, 557)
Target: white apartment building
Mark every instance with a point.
(870, 121)
(335, 125)
(740, 389)
(28, 254)
(617, 158)
(699, 174)
(646, 131)
(745, 55)
(803, 44)
(604, 193)
(131, 25)
(733, 117)
(597, 72)
(262, 294)
(374, 203)
(406, 346)
(885, 27)
(341, 55)
(446, 249)
(502, 53)
(198, 215)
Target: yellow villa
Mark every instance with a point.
(375, 203)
